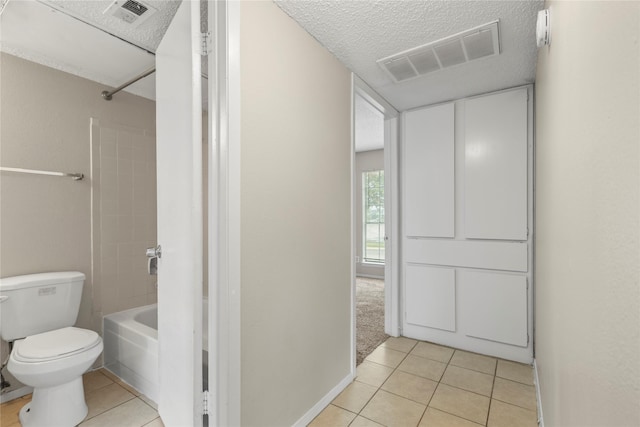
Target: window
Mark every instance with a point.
(373, 196)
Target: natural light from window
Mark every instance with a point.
(373, 196)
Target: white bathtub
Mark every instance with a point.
(131, 347)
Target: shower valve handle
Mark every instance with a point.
(154, 252)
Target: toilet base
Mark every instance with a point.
(62, 405)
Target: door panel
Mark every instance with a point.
(494, 306)
(431, 297)
(496, 166)
(509, 256)
(429, 160)
(179, 172)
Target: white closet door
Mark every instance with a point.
(467, 208)
(429, 172)
(496, 166)
(179, 171)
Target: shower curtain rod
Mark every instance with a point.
(108, 95)
(75, 176)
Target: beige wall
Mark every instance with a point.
(295, 218)
(45, 222)
(365, 161)
(587, 195)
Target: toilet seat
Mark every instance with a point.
(56, 344)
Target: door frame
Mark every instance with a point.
(179, 176)
(224, 334)
(392, 225)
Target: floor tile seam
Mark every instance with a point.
(493, 380)
(515, 381)
(360, 415)
(111, 381)
(108, 409)
(421, 376)
(411, 400)
(408, 398)
(394, 349)
(391, 367)
(425, 411)
(102, 387)
(470, 391)
(361, 409)
(493, 386)
(330, 404)
(464, 389)
(429, 358)
(143, 401)
(156, 418)
(516, 405)
(471, 369)
(401, 351)
(458, 415)
(379, 364)
(374, 393)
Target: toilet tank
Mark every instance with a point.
(36, 303)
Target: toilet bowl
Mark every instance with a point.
(53, 363)
(37, 314)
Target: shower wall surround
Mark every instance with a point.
(123, 172)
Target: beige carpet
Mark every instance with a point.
(369, 316)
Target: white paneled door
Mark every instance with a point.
(179, 171)
(467, 224)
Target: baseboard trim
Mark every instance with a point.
(14, 394)
(370, 276)
(538, 398)
(318, 407)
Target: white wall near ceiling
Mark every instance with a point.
(369, 126)
(587, 206)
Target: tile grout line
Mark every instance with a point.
(386, 379)
(107, 410)
(438, 382)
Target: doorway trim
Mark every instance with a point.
(224, 333)
(392, 230)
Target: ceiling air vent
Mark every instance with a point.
(130, 11)
(476, 43)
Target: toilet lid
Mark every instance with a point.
(57, 343)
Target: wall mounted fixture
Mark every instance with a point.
(543, 28)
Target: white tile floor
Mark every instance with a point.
(405, 382)
(402, 383)
(111, 403)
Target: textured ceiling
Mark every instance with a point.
(37, 33)
(359, 33)
(147, 35)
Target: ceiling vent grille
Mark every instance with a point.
(130, 11)
(476, 43)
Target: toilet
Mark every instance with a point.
(37, 314)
